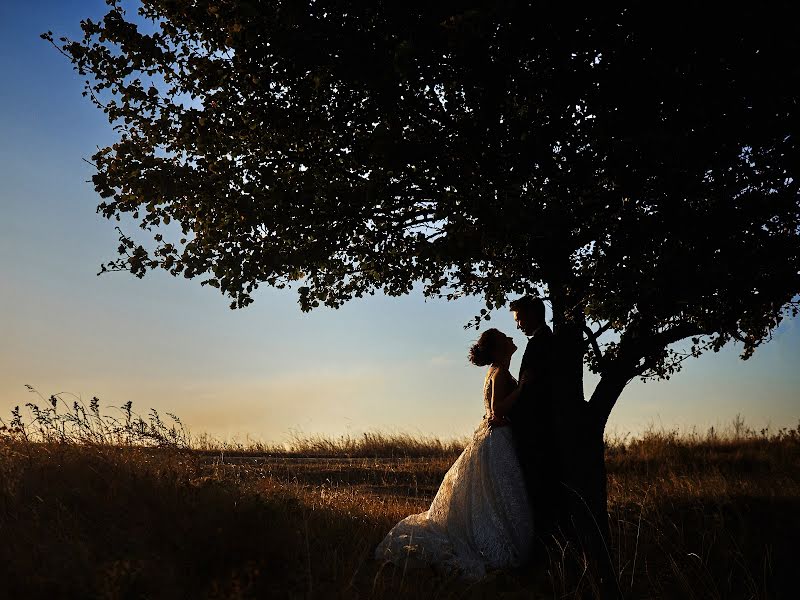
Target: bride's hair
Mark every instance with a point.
(482, 352)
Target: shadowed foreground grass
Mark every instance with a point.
(692, 516)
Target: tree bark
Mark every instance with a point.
(582, 448)
(604, 398)
(583, 452)
(599, 407)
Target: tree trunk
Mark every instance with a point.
(604, 398)
(595, 479)
(599, 407)
(583, 452)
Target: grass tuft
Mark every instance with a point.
(117, 505)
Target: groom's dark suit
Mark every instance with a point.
(533, 421)
(551, 440)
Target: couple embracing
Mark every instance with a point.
(504, 497)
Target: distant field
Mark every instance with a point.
(692, 516)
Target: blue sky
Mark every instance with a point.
(395, 364)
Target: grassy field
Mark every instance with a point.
(93, 507)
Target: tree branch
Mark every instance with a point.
(619, 372)
(648, 347)
(602, 330)
(670, 336)
(601, 359)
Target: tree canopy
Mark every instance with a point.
(639, 168)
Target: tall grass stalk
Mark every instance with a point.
(111, 504)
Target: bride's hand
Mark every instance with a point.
(496, 420)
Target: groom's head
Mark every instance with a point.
(528, 313)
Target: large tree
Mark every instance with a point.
(638, 168)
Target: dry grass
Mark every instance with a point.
(367, 445)
(712, 515)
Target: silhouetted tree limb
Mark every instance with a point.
(493, 149)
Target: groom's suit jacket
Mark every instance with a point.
(533, 409)
(533, 421)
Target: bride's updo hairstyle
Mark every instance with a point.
(483, 352)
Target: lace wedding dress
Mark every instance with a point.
(479, 519)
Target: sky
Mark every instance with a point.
(268, 371)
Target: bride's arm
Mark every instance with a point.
(505, 392)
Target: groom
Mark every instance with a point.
(534, 419)
(548, 435)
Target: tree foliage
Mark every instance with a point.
(638, 169)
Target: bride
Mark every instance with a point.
(480, 518)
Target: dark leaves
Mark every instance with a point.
(493, 151)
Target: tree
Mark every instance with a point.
(638, 169)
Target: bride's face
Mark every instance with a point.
(508, 346)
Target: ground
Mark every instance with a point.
(691, 517)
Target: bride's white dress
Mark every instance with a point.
(479, 519)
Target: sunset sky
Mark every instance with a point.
(394, 364)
